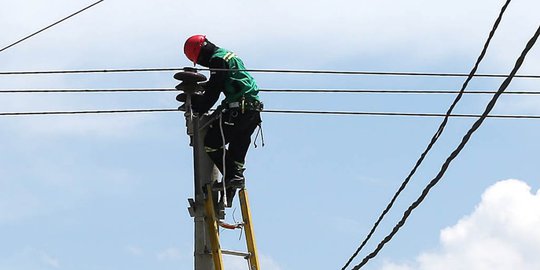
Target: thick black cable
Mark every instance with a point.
(456, 152)
(501, 116)
(322, 91)
(392, 91)
(84, 71)
(434, 138)
(110, 90)
(87, 112)
(337, 113)
(329, 72)
(47, 27)
(374, 73)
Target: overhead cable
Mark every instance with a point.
(455, 153)
(392, 91)
(293, 71)
(47, 27)
(310, 91)
(375, 73)
(501, 116)
(307, 112)
(106, 90)
(86, 112)
(435, 136)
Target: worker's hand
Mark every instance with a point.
(199, 104)
(199, 108)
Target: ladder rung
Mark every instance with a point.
(236, 253)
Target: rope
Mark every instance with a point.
(455, 153)
(435, 136)
(35, 33)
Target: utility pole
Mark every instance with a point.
(205, 209)
(204, 169)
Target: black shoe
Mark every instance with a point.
(219, 208)
(231, 192)
(235, 184)
(217, 186)
(229, 184)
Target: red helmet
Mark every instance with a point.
(192, 47)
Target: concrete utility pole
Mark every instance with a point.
(204, 169)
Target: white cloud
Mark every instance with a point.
(235, 262)
(170, 254)
(269, 263)
(134, 250)
(89, 126)
(341, 28)
(519, 105)
(50, 261)
(346, 225)
(29, 258)
(116, 126)
(50, 185)
(502, 233)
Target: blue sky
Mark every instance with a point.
(110, 191)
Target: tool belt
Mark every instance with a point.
(244, 105)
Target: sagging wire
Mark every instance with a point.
(294, 91)
(337, 113)
(47, 27)
(435, 137)
(330, 72)
(454, 153)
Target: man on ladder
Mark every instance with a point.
(239, 111)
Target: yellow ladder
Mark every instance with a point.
(213, 229)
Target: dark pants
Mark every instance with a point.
(237, 130)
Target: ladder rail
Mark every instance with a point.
(213, 230)
(248, 227)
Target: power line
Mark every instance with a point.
(35, 33)
(297, 71)
(82, 71)
(435, 136)
(314, 91)
(456, 152)
(375, 73)
(393, 91)
(87, 112)
(400, 114)
(336, 113)
(110, 90)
